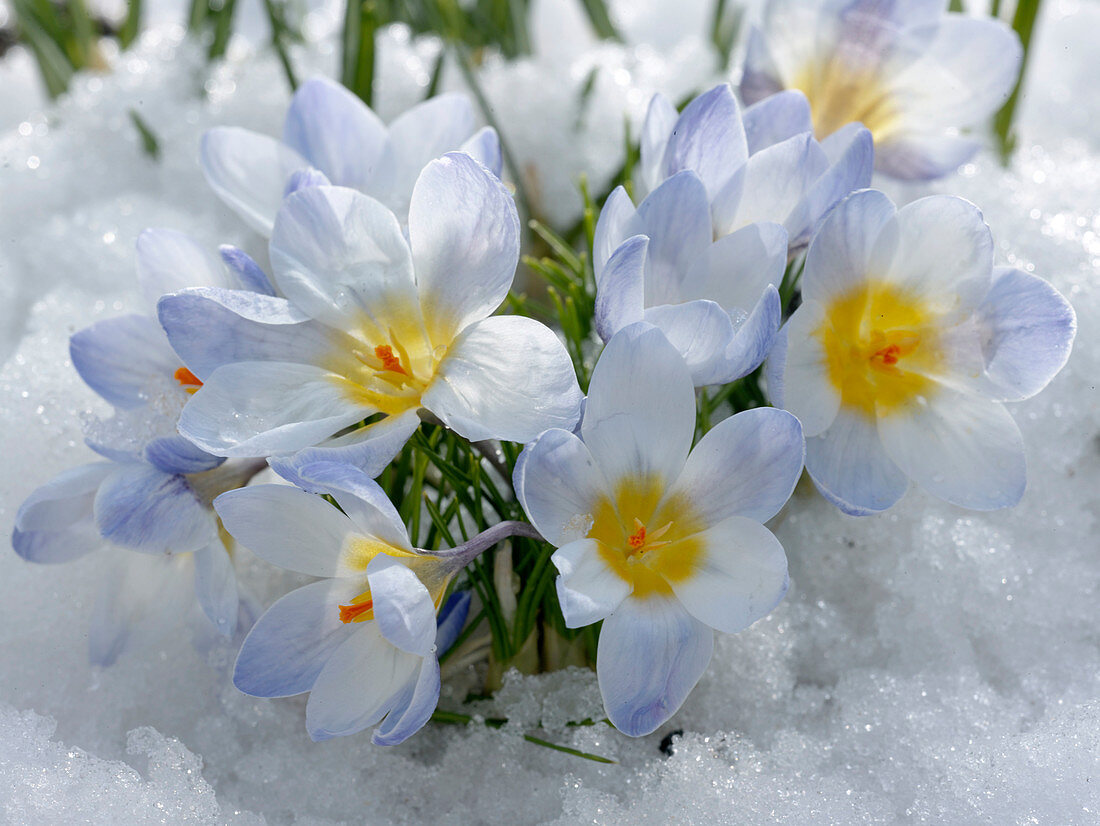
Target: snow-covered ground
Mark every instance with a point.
(929, 665)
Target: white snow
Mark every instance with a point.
(929, 665)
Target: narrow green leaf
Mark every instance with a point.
(149, 140)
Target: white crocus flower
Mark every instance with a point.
(374, 324)
(661, 545)
(906, 343)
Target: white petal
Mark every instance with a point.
(701, 331)
(850, 467)
(288, 527)
(861, 231)
(745, 466)
(777, 118)
(676, 217)
(143, 508)
(640, 415)
(660, 120)
(923, 155)
(216, 587)
(620, 291)
(651, 654)
(741, 576)
(249, 171)
(403, 608)
(341, 257)
(413, 707)
(558, 484)
(588, 589)
(736, 268)
(611, 229)
(336, 132)
(709, 139)
(464, 233)
(1029, 331)
(123, 358)
(808, 391)
(168, 261)
(506, 377)
(290, 644)
(254, 408)
(360, 683)
(960, 448)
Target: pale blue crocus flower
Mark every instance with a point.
(333, 136)
(153, 493)
(662, 542)
(912, 73)
(364, 639)
(906, 344)
(374, 323)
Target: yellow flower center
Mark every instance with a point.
(841, 94)
(648, 559)
(433, 572)
(881, 346)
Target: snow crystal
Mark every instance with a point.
(929, 665)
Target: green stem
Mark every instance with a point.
(1027, 11)
(131, 25)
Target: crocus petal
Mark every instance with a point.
(122, 358)
(1029, 332)
(336, 132)
(290, 644)
(248, 171)
(216, 587)
(146, 596)
(771, 185)
(359, 684)
(735, 269)
(304, 178)
(676, 217)
(209, 328)
(753, 340)
(709, 139)
(740, 577)
(464, 233)
(760, 76)
(620, 295)
(651, 654)
(861, 228)
(960, 448)
(777, 118)
(369, 449)
(412, 709)
(52, 547)
(141, 507)
(255, 408)
(611, 229)
(64, 500)
(588, 589)
(764, 446)
(168, 261)
(403, 608)
(923, 156)
(418, 136)
(484, 147)
(660, 120)
(851, 468)
(249, 274)
(640, 415)
(953, 273)
(506, 377)
(701, 331)
(451, 620)
(808, 391)
(558, 484)
(175, 454)
(851, 154)
(288, 527)
(342, 258)
(773, 369)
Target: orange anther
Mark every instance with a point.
(349, 613)
(889, 355)
(187, 379)
(389, 361)
(637, 539)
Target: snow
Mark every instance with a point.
(928, 665)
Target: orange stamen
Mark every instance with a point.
(888, 355)
(637, 539)
(349, 613)
(188, 380)
(389, 361)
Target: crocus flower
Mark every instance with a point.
(155, 491)
(907, 70)
(374, 324)
(334, 135)
(905, 345)
(661, 542)
(364, 639)
(762, 165)
(716, 301)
